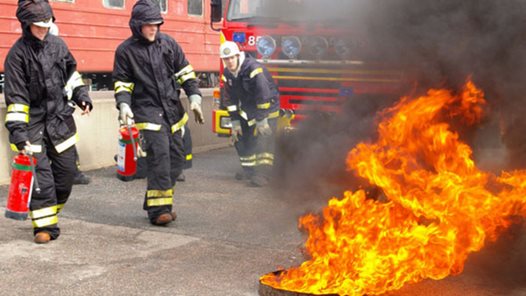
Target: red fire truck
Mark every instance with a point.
(317, 60)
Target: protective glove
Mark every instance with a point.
(195, 106)
(262, 128)
(24, 147)
(236, 130)
(125, 113)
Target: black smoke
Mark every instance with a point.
(439, 44)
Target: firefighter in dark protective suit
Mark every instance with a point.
(42, 88)
(147, 68)
(252, 100)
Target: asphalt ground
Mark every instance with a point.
(226, 235)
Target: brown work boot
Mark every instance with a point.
(174, 215)
(163, 219)
(42, 237)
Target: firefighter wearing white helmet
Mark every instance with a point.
(228, 49)
(252, 100)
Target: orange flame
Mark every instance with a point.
(440, 207)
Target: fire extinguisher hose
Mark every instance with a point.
(32, 166)
(132, 142)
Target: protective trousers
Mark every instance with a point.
(55, 172)
(256, 152)
(142, 166)
(165, 160)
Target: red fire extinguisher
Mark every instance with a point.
(23, 178)
(127, 156)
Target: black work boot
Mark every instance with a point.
(181, 178)
(258, 181)
(81, 178)
(244, 174)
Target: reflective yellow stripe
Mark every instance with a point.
(159, 202)
(265, 162)
(44, 212)
(159, 193)
(248, 161)
(18, 108)
(75, 80)
(17, 117)
(333, 71)
(336, 79)
(59, 208)
(243, 114)
(180, 124)
(185, 74)
(123, 86)
(232, 108)
(186, 77)
(256, 72)
(148, 126)
(32, 148)
(186, 70)
(68, 143)
(273, 114)
(223, 78)
(45, 222)
(266, 155)
(264, 106)
(189, 157)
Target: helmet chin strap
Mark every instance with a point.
(240, 60)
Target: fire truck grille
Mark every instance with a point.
(319, 87)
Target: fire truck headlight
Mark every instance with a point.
(266, 46)
(225, 122)
(342, 48)
(317, 46)
(291, 46)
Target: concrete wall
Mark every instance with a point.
(99, 133)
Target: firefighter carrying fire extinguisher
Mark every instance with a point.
(42, 88)
(252, 100)
(147, 68)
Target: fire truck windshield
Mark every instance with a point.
(288, 10)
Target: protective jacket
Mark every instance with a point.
(146, 74)
(41, 82)
(252, 94)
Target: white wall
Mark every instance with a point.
(99, 133)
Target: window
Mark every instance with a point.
(113, 3)
(195, 7)
(163, 4)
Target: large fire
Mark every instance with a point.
(437, 206)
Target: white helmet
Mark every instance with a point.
(228, 49)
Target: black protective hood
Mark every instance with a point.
(32, 11)
(144, 12)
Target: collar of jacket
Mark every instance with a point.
(34, 41)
